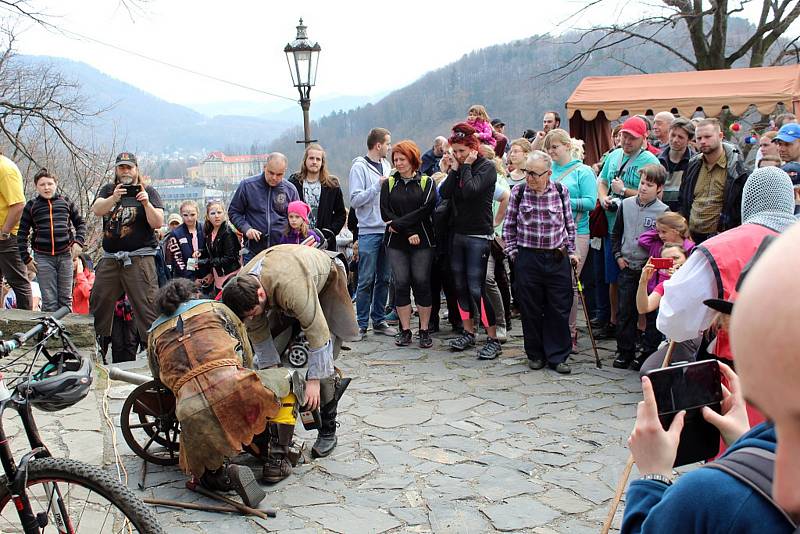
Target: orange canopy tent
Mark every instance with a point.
(600, 99)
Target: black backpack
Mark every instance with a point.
(753, 467)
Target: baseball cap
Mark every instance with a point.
(497, 122)
(635, 126)
(174, 218)
(789, 133)
(793, 170)
(126, 158)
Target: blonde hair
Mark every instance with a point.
(480, 111)
(523, 143)
(438, 177)
(303, 229)
(675, 221)
(559, 135)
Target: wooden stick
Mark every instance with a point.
(191, 505)
(265, 514)
(626, 473)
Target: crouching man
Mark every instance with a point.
(200, 351)
(310, 286)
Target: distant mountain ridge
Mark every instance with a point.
(143, 122)
(505, 78)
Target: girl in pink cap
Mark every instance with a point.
(298, 232)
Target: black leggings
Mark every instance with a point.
(468, 259)
(411, 269)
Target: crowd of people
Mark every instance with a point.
(500, 229)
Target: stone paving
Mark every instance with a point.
(434, 441)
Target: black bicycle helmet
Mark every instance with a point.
(59, 384)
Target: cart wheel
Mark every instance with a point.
(149, 425)
(298, 354)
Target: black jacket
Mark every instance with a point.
(331, 213)
(223, 252)
(731, 215)
(471, 189)
(409, 207)
(49, 223)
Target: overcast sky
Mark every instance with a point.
(367, 46)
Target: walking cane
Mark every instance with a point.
(626, 473)
(597, 361)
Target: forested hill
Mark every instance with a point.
(503, 78)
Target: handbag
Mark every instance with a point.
(598, 223)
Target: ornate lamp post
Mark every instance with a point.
(302, 56)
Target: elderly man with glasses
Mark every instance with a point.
(539, 234)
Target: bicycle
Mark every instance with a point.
(51, 494)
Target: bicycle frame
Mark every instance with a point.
(16, 474)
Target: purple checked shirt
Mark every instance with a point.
(538, 221)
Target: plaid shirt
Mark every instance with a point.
(538, 221)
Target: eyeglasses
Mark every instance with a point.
(535, 174)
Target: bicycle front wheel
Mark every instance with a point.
(70, 496)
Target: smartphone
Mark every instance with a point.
(690, 386)
(129, 197)
(662, 263)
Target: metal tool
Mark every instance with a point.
(597, 361)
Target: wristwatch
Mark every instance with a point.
(658, 478)
(4, 235)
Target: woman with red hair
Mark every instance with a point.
(407, 203)
(469, 186)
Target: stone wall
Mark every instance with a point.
(80, 327)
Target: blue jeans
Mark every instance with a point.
(373, 280)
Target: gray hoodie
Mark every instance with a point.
(365, 195)
(633, 220)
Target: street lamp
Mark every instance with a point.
(302, 56)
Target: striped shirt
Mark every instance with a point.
(538, 220)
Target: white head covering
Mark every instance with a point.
(768, 199)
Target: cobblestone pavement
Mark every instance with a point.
(434, 441)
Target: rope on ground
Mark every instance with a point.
(122, 473)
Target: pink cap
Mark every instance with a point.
(635, 126)
(300, 208)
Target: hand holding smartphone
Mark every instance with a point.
(662, 263)
(690, 387)
(129, 197)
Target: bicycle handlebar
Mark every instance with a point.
(20, 339)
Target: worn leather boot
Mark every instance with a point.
(278, 465)
(326, 439)
(238, 478)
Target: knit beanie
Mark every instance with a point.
(300, 208)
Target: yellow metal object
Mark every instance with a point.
(287, 415)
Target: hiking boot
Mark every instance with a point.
(238, 478)
(403, 338)
(383, 328)
(536, 364)
(392, 318)
(623, 359)
(561, 368)
(362, 333)
(491, 350)
(464, 341)
(425, 341)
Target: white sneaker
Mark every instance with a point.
(502, 335)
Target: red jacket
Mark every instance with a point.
(81, 288)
